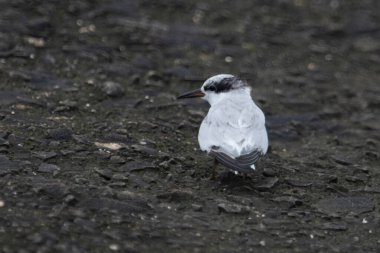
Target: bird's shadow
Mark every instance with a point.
(245, 182)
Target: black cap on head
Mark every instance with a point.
(223, 83)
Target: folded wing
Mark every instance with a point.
(241, 164)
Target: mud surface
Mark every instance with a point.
(96, 154)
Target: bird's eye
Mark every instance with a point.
(212, 88)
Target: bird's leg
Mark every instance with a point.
(213, 175)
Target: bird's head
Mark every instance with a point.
(217, 87)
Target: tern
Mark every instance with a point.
(233, 132)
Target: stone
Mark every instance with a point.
(267, 184)
(269, 172)
(99, 204)
(112, 89)
(60, 134)
(137, 165)
(117, 159)
(233, 208)
(366, 44)
(48, 168)
(7, 166)
(109, 145)
(177, 195)
(344, 205)
(290, 201)
(298, 183)
(105, 173)
(337, 226)
(44, 155)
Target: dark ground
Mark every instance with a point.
(96, 155)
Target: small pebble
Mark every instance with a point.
(114, 247)
(117, 159)
(112, 89)
(48, 168)
(269, 172)
(196, 207)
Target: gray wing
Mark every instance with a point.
(241, 164)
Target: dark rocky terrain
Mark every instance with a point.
(97, 155)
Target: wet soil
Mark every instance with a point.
(97, 155)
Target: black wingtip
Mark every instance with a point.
(239, 165)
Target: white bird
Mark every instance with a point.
(233, 132)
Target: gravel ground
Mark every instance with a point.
(97, 155)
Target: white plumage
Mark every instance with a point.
(234, 129)
(235, 124)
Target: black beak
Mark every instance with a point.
(192, 94)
